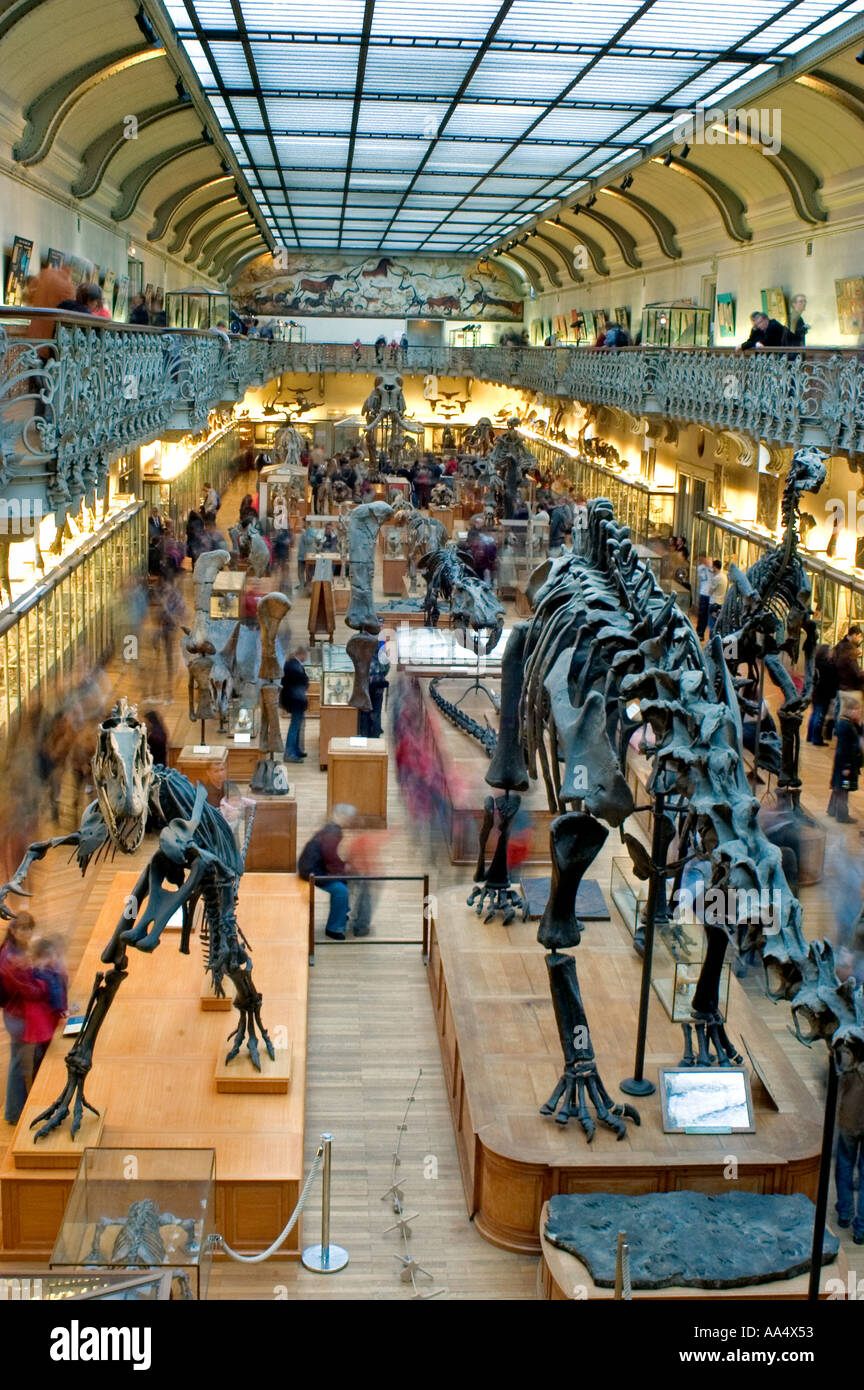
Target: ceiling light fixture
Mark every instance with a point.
(576, 209)
(667, 159)
(685, 150)
(591, 201)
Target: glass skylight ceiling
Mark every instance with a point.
(438, 125)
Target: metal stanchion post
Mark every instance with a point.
(325, 1258)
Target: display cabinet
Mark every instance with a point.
(675, 325)
(215, 461)
(141, 1208)
(674, 983)
(197, 308)
(74, 616)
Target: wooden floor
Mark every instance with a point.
(371, 1029)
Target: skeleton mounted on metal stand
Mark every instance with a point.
(196, 853)
(605, 644)
(763, 615)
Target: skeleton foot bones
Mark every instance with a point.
(196, 854)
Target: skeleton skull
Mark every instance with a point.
(122, 774)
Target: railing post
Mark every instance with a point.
(325, 1258)
(311, 919)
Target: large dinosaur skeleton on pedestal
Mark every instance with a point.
(605, 653)
(196, 853)
(763, 617)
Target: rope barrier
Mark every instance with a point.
(280, 1240)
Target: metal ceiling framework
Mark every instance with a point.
(446, 126)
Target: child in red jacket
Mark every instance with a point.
(41, 1016)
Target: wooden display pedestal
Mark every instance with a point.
(239, 1077)
(502, 1060)
(393, 572)
(58, 1149)
(273, 846)
(445, 515)
(211, 768)
(341, 597)
(211, 1003)
(153, 1075)
(322, 621)
(357, 776)
(337, 722)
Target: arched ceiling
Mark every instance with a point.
(96, 84)
(811, 132)
(441, 126)
(444, 125)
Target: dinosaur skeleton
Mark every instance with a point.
(196, 853)
(605, 653)
(763, 616)
(139, 1239)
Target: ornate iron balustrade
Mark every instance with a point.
(75, 392)
(784, 396)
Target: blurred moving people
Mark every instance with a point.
(18, 986)
(826, 683)
(850, 1152)
(320, 858)
(41, 1016)
(719, 585)
(704, 585)
(847, 759)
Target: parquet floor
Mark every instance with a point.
(371, 1031)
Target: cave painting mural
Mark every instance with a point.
(377, 287)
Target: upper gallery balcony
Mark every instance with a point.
(75, 392)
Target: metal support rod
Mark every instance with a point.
(636, 1085)
(824, 1183)
(325, 1258)
(619, 1266)
(427, 912)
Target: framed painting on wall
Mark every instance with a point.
(622, 316)
(726, 316)
(55, 258)
(19, 269)
(850, 305)
(588, 324)
(774, 305)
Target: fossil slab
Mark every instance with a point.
(723, 1241)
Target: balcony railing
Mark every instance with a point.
(75, 392)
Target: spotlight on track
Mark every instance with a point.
(685, 150)
(576, 209)
(591, 201)
(626, 182)
(859, 57)
(667, 159)
(558, 220)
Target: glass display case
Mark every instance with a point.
(628, 893)
(74, 616)
(647, 509)
(675, 981)
(675, 325)
(141, 1208)
(214, 461)
(197, 307)
(97, 1287)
